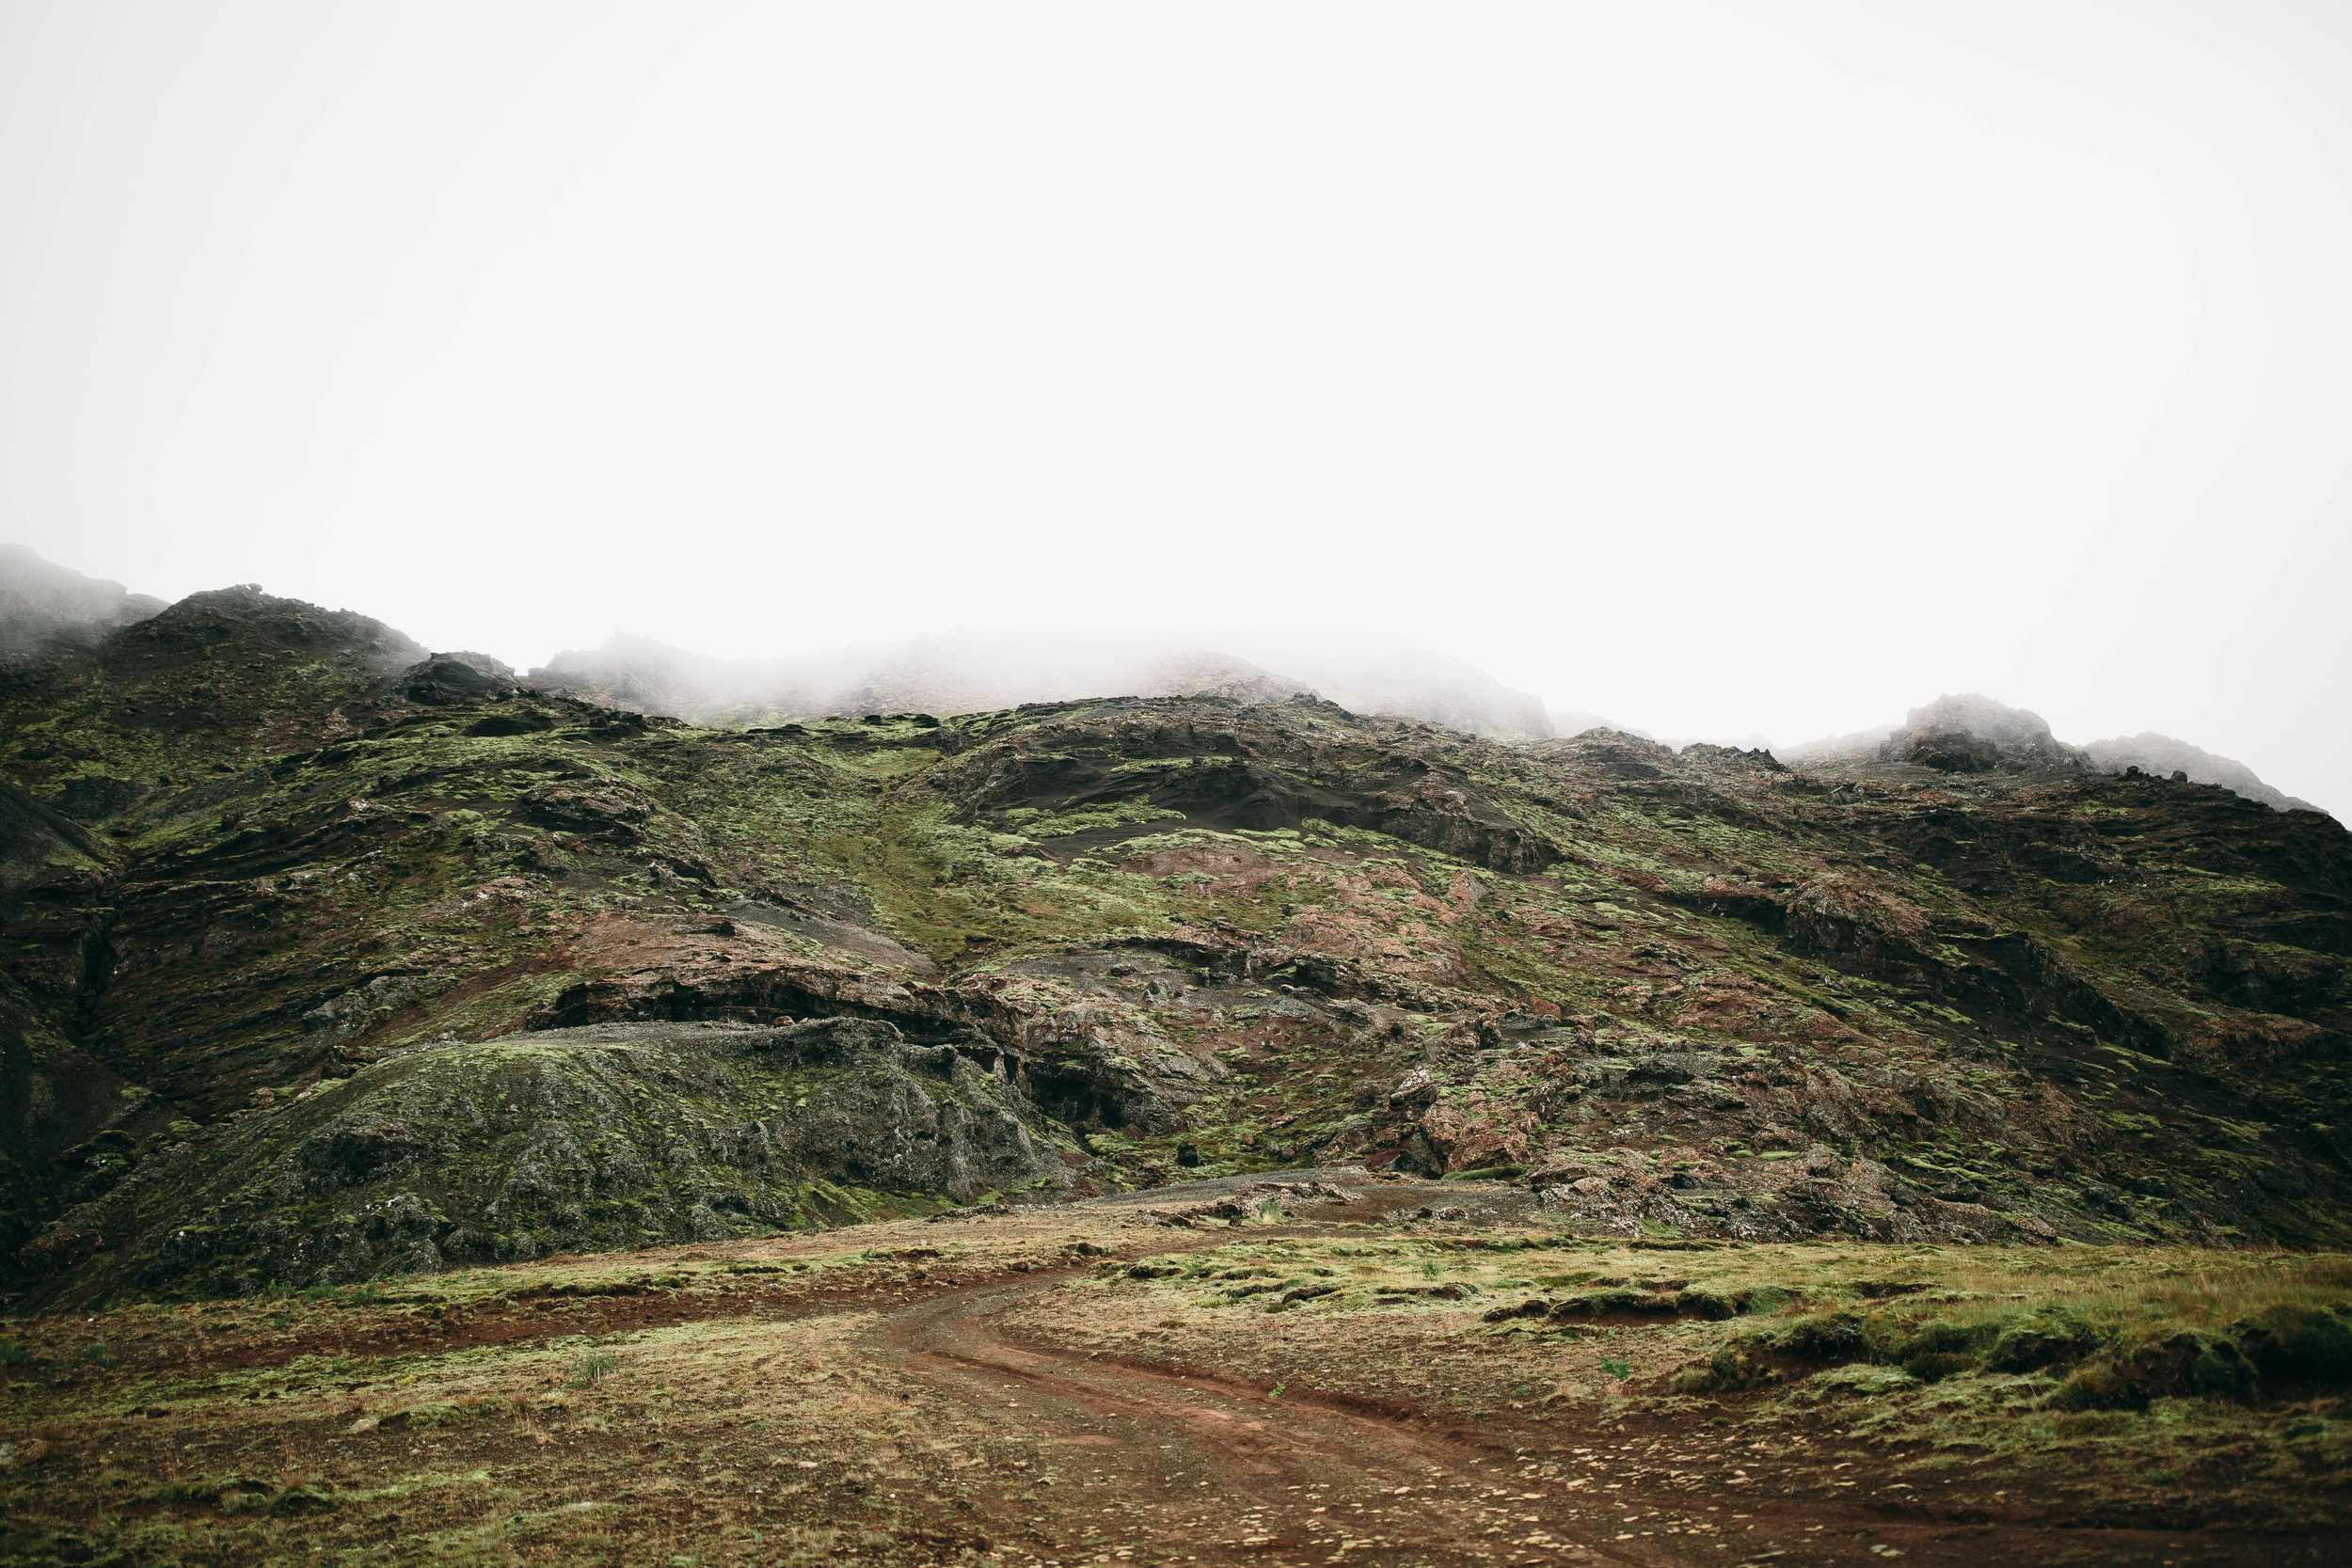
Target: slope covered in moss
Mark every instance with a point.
(269, 872)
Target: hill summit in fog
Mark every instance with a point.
(982, 670)
(1972, 736)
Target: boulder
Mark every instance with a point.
(448, 679)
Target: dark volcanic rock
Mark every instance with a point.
(1950, 751)
(459, 677)
(1977, 734)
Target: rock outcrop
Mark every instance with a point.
(1977, 734)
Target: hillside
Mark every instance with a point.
(327, 959)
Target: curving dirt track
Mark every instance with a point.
(1195, 1459)
(1047, 1387)
(1188, 1465)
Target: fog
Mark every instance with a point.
(1729, 370)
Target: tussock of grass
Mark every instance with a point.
(2223, 1327)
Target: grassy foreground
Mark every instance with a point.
(759, 1402)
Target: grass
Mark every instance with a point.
(2071, 1365)
(591, 1370)
(633, 1408)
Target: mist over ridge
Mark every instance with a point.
(972, 669)
(1956, 737)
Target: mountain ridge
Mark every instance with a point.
(321, 896)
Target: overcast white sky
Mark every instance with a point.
(1723, 369)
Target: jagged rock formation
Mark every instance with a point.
(459, 677)
(2165, 757)
(325, 957)
(1964, 735)
(1976, 735)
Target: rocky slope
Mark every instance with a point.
(327, 958)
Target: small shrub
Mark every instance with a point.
(591, 1370)
(98, 1355)
(1616, 1367)
(13, 1354)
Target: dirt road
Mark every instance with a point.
(1167, 1463)
(1321, 1381)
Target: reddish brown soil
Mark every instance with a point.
(1213, 1464)
(916, 1402)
